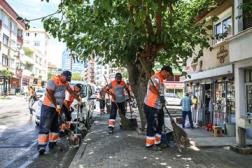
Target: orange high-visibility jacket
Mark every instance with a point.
(118, 90)
(152, 99)
(59, 89)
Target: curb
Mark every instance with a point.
(78, 155)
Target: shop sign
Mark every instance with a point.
(221, 54)
(174, 85)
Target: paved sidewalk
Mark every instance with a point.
(126, 149)
(201, 138)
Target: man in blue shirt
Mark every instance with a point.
(186, 103)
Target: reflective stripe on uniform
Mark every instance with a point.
(111, 123)
(157, 139)
(43, 139)
(53, 137)
(150, 141)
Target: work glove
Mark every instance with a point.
(58, 109)
(162, 100)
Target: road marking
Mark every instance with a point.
(24, 154)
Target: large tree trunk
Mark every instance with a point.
(138, 80)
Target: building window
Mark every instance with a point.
(27, 34)
(13, 44)
(14, 27)
(35, 34)
(5, 60)
(248, 86)
(12, 63)
(248, 76)
(247, 16)
(223, 29)
(36, 43)
(6, 20)
(5, 40)
(19, 33)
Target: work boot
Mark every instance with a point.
(51, 145)
(149, 147)
(154, 148)
(162, 145)
(41, 150)
(111, 130)
(157, 148)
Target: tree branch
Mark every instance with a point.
(159, 18)
(149, 26)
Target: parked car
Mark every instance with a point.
(36, 107)
(172, 99)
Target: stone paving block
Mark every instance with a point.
(126, 149)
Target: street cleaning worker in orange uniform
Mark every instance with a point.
(153, 106)
(66, 107)
(55, 94)
(116, 90)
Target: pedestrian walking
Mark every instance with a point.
(186, 103)
(53, 100)
(116, 90)
(153, 106)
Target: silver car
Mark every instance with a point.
(172, 99)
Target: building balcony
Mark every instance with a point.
(240, 46)
(20, 40)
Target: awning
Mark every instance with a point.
(224, 70)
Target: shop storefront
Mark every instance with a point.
(214, 90)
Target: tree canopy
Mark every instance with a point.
(121, 30)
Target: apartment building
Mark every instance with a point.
(37, 41)
(221, 78)
(69, 63)
(11, 41)
(107, 72)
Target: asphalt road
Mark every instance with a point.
(18, 133)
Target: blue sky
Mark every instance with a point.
(31, 9)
